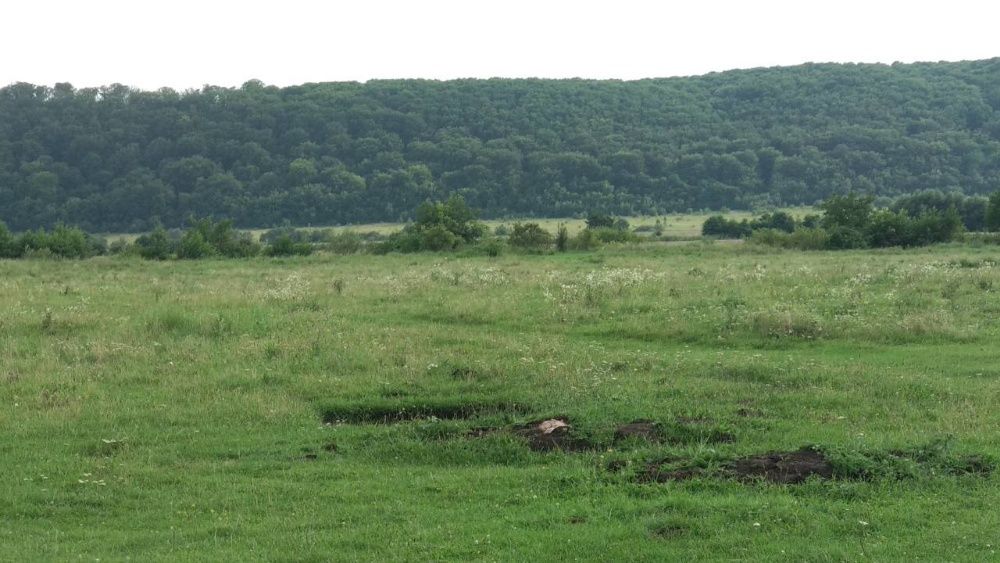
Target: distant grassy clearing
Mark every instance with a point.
(680, 225)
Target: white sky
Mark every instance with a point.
(188, 43)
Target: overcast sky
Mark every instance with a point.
(186, 43)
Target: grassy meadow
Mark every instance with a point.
(677, 226)
(367, 407)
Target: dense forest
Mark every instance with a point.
(120, 159)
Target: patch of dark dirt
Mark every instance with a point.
(394, 412)
(783, 467)
(748, 412)
(552, 434)
(794, 467)
(330, 447)
(641, 429)
(577, 520)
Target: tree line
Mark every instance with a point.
(847, 222)
(442, 226)
(854, 221)
(117, 159)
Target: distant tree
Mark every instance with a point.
(437, 238)
(117, 159)
(972, 210)
(562, 238)
(993, 213)
(850, 211)
(284, 245)
(778, 220)
(193, 245)
(529, 236)
(598, 220)
(719, 226)
(811, 221)
(8, 248)
(156, 245)
(453, 215)
(889, 228)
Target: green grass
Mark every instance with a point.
(233, 410)
(676, 225)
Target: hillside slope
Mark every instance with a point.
(118, 159)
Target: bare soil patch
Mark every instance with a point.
(552, 434)
(783, 467)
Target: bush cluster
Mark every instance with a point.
(202, 239)
(62, 242)
(719, 226)
(852, 221)
(439, 226)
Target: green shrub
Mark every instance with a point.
(846, 238)
(888, 228)
(607, 235)
(193, 246)
(284, 245)
(801, 238)
(439, 226)
(585, 240)
(562, 238)
(529, 236)
(779, 221)
(933, 227)
(452, 216)
(993, 213)
(121, 247)
(438, 238)
(222, 239)
(492, 248)
(8, 243)
(719, 226)
(805, 238)
(67, 242)
(769, 237)
(850, 211)
(344, 242)
(600, 220)
(157, 245)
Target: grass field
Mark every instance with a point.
(680, 225)
(379, 408)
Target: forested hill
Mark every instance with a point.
(115, 158)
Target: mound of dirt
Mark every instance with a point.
(783, 467)
(551, 434)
